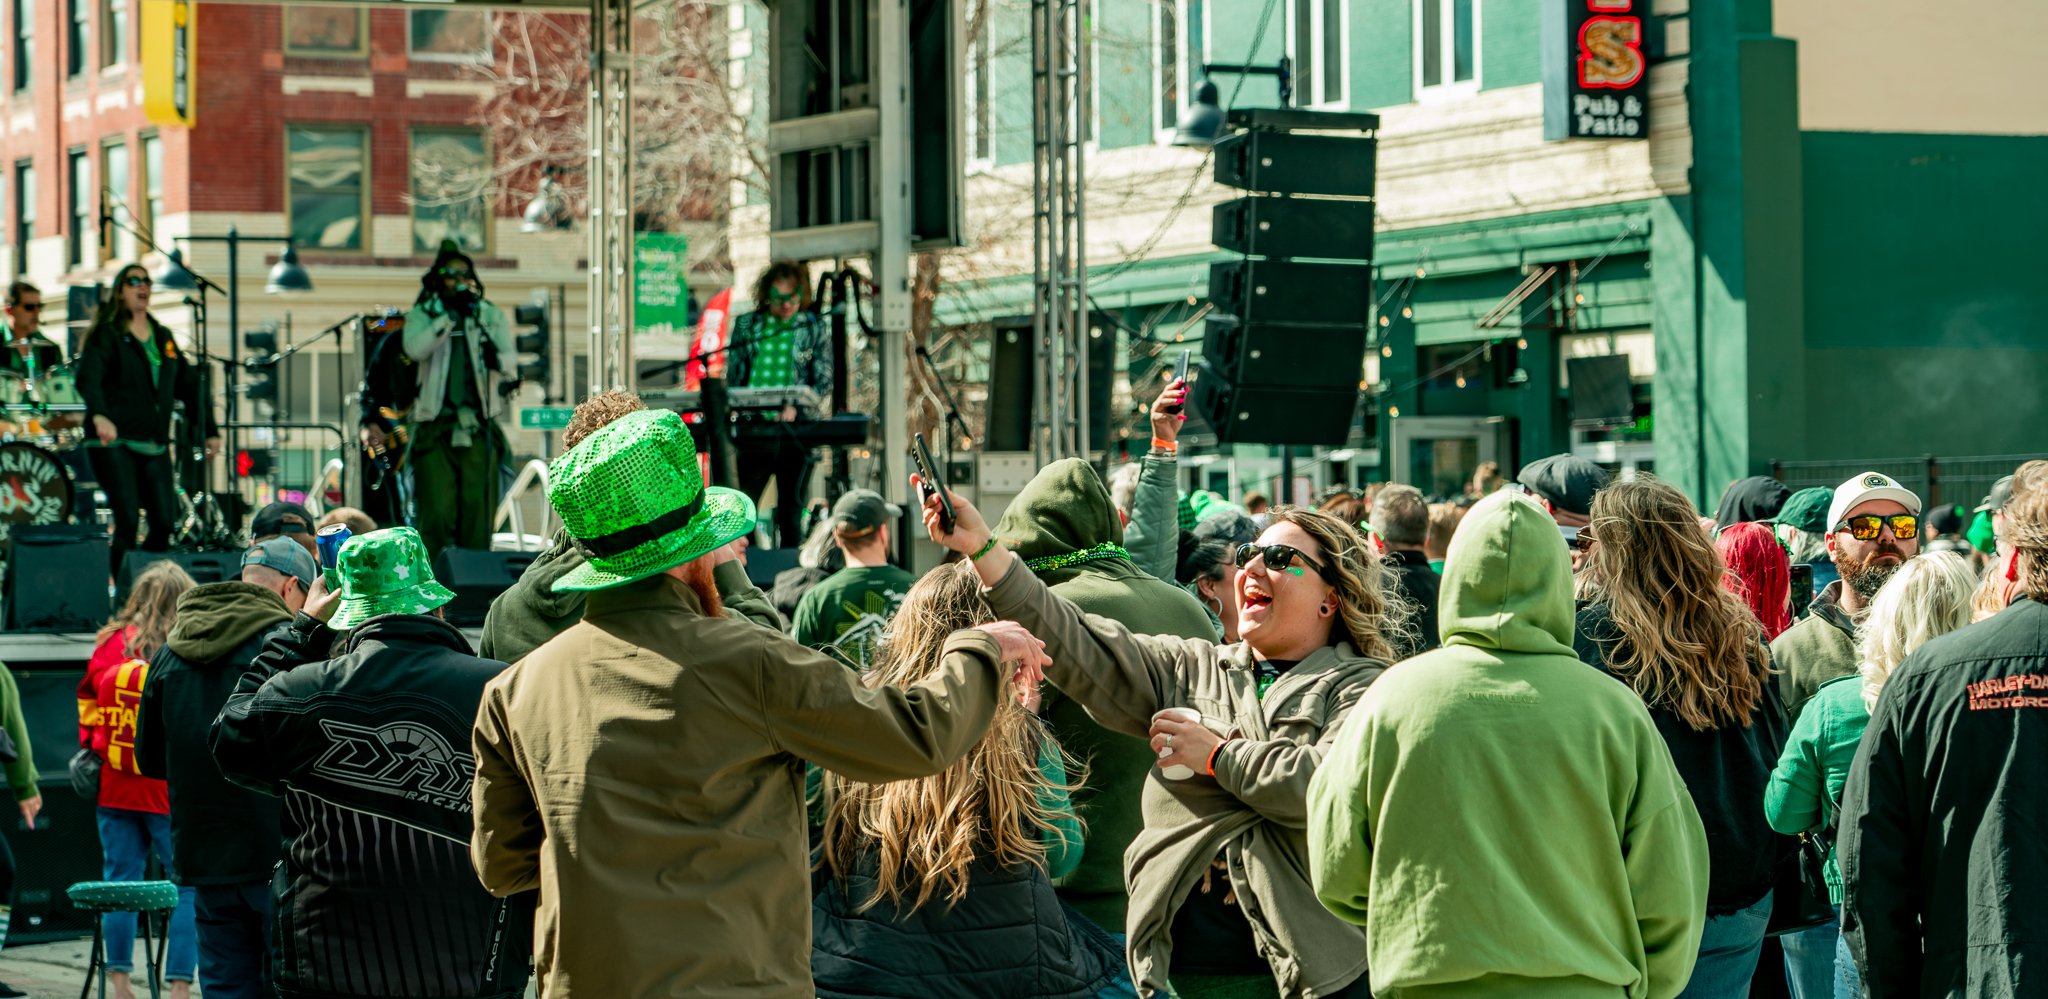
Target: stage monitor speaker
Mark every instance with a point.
(764, 563)
(1600, 389)
(203, 567)
(1297, 163)
(1275, 291)
(1262, 414)
(477, 577)
(65, 847)
(1290, 355)
(1294, 227)
(56, 579)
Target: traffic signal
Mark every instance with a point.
(260, 383)
(1283, 349)
(262, 340)
(533, 341)
(252, 464)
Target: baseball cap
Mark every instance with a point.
(2001, 494)
(1866, 487)
(285, 556)
(1566, 480)
(271, 520)
(863, 510)
(1807, 510)
(1945, 519)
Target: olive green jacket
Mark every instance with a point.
(1254, 813)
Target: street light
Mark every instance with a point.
(174, 276)
(287, 277)
(1201, 123)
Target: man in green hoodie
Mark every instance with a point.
(1503, 820)
(1067, 531)
(530, 612)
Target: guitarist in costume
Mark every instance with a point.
(462, 350)
(389, 388)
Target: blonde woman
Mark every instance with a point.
(1928, 597)
(134, 811)
(1220, 898)
(919, 870)
(1666, 625)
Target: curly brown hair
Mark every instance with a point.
(2026, 516)
(596, 412)
(783, 270)
(1371, 610)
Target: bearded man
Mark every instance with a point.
(1873, 528)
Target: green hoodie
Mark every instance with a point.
(1066, 509)
(1502, 819)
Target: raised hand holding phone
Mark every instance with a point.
(933, 483)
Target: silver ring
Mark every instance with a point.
(1169, 741)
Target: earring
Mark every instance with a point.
(1324, 610)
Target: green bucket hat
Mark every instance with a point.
(634, 502)
(1807, 510)
(384, 572)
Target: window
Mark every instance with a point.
(79, 198)
(1318, 51)
(1193, 24)
(1168, 63)
(325, 169)
(113, 33)
(326, 32)
(451, 177)
(152, 182)
(24, 42)
(1446, 46)
(117, 241)
(74, 55)
(24, 212)
(450, 35)
(980, 117)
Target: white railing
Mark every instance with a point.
(535, 473)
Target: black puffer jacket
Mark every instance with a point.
(1009, 936)
(1725, 769)
(113, 377)
(371, 752)
(220, 833)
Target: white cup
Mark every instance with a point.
(1177, 771)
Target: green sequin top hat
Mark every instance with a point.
(634, 502)
(385, 572)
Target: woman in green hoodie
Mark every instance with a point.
(1928, 597)
(1220, 902)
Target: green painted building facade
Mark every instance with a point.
(1785, 294)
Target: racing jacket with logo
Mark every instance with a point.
(370, 751)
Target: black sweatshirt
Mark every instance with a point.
(113, 377)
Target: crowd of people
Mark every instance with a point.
(1561, 736)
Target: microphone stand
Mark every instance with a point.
(953, 417)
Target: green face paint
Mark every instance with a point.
(1297, 570)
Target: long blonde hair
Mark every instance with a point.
(1927, 598)
(1691, 645)
(151, 609)
(928, 832)
(1370, 608)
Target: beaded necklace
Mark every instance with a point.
(1107, 549)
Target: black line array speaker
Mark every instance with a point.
(1284, 291)
(1276, 414)
(1299, 354)
(1267, 226)
(477, 577)
(57, 579)
(203, 567)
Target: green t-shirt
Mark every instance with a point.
(850, 610)
(775, 355)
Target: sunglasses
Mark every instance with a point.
(1905, 526)
(137, 281)
(457, 275)
(1280, 558)
(28, 306)
(780, 298)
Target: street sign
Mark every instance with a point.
(545, 417)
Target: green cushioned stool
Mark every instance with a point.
(144, 898)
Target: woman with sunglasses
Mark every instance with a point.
(133, 376)
(781, 344)
(1220, 900)
(1666, 626)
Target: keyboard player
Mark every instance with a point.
(782, 343)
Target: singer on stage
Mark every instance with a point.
(781, 343)
(132, 376)
(462, 348)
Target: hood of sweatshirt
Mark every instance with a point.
(1065, 508)
(1507, 582)
(215, 618)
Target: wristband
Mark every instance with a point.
(1160, 445)
(984, 550)
(1210, 766)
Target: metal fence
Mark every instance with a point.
(1963, 480)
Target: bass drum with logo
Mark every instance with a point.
(35, 488)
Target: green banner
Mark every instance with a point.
(661, 293)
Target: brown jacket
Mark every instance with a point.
(1254, 813)
(643, 770)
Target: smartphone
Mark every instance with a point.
(927, 472)
(1802, 590)
(1180, 374)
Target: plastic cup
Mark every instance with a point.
(1177, 771)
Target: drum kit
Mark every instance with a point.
(40, 417)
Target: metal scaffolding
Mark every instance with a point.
(1059, 262)
(611, 195)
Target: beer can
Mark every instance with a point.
(331, 538)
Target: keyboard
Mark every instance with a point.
(844, 430)
(804, 398)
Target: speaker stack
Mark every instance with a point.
(1284, 346)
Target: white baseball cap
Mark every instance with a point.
(1866, 487)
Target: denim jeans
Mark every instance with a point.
(1728, 952)
(234, 940)
(1848, 981)
(1810, 963)
(126, 837)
